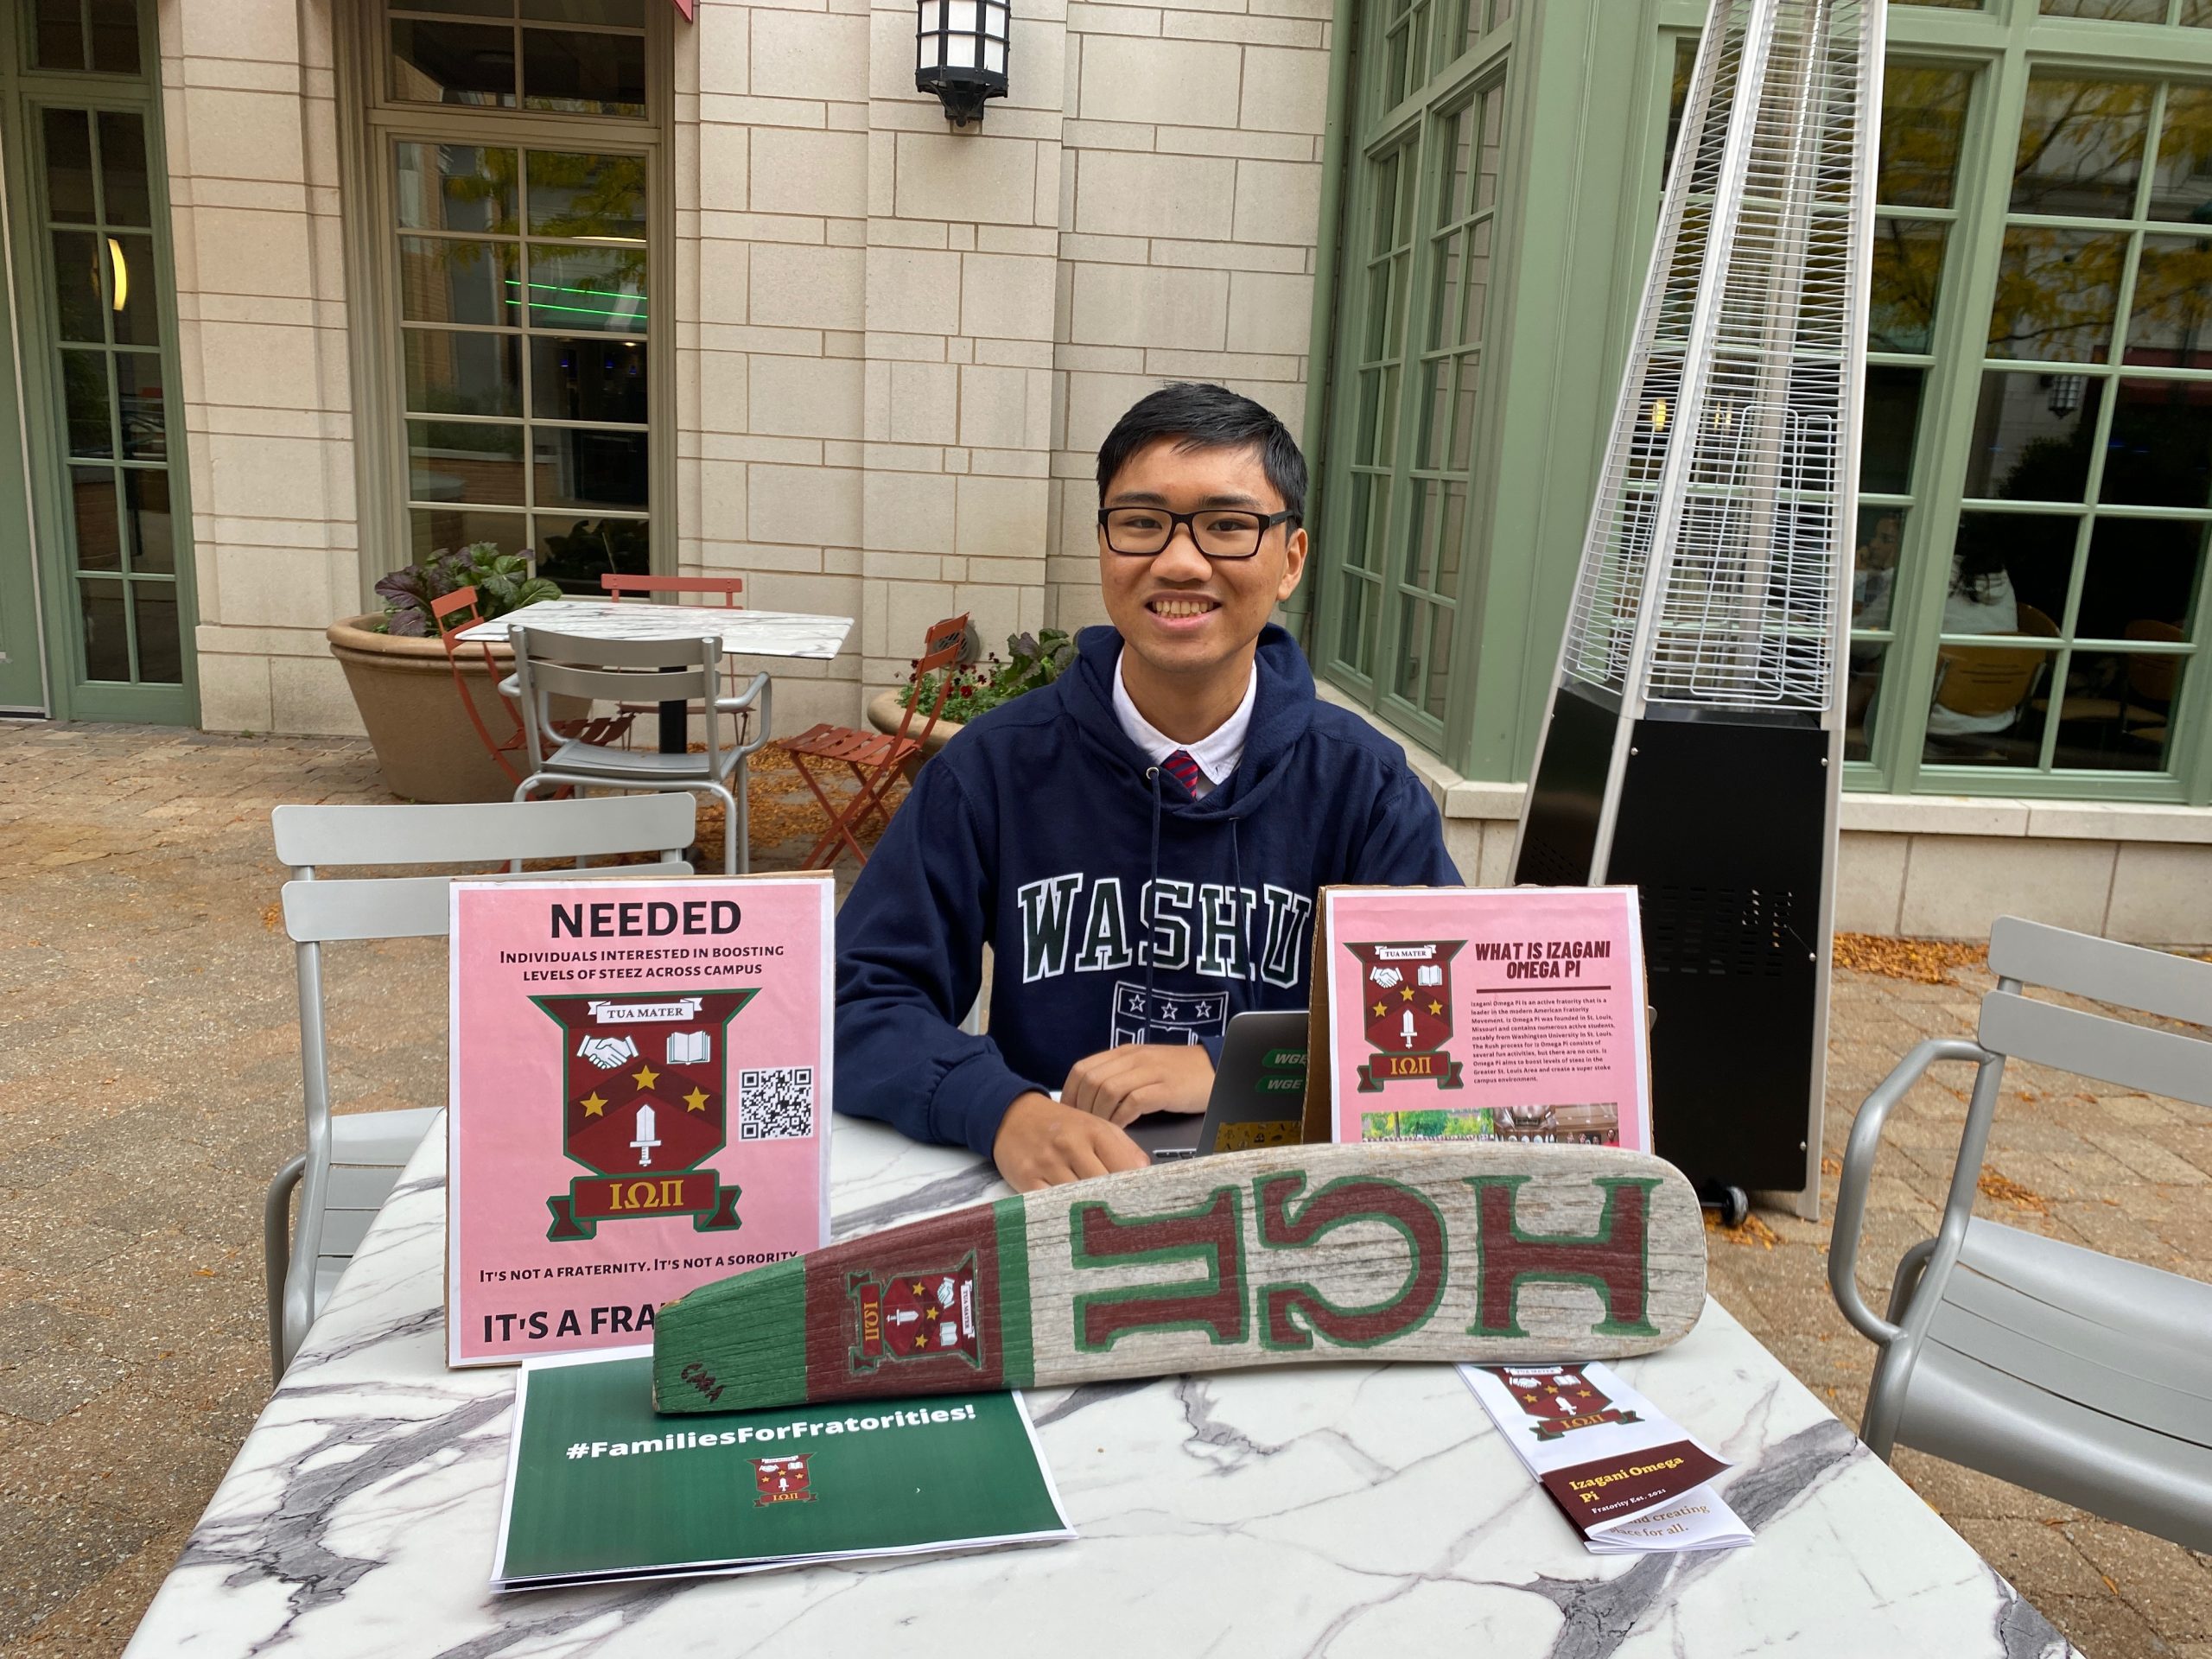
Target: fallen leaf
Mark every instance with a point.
(2005, 1190)
(1929, 962)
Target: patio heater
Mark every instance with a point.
(1694, 739)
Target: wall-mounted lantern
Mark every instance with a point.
(960, 54)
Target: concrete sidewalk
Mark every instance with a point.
(150, 1086)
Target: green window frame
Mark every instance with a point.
(1430, 86)
(1957, 261)
(2039, 392)
(1585, 138)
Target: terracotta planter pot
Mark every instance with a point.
(425, 743)
(883, 711)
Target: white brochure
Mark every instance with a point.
(1624, 1473)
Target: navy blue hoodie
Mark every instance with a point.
(1041, 830)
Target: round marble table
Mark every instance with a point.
(1350, 1510)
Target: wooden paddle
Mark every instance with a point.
(1487, 1252)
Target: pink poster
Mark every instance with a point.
(640, 1100)
(1487, 1014)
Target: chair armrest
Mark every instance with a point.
(744, 699)
(1858, 1170)
(508, 688)
(761, 694)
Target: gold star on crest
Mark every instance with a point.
(644, 1076)
(930, 1313)
(1436, 1007)
(1407, 992)
(593, 1105)
(697, 1100)
(1378, 1010)
(920, 1289)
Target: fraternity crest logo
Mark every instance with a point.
(1561, 1398)
(915, 1316)
(645, 1101)
(1405, 1011)
(781, 1480)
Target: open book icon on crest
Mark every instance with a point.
(689, 1047)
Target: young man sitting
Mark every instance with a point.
(1140, 841)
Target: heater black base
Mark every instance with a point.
(1722, 829)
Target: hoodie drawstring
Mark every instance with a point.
(1151, 897)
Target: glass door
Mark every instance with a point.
(96, 248)
(95, 350)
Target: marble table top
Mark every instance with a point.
(1342, 1509)
(748, 634)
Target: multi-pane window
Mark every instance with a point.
(578, 57)
(2028, 579)
(98, 232)
(100, 36)
(522, 343)
(523, 281)
(2088, 483)
(1420, 237)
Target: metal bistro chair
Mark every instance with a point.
(2057, 1368)
(548, 665)
(354, 1159)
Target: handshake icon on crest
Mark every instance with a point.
(607, 1053)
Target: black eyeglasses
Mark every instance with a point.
(1217, 532)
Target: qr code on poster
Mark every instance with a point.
(776, 1104)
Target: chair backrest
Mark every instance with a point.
(944, 648)
(1986, 679)
(319, 910)
(451, 612)
(2151, 675)
(449, 615)
(2172, 1063)
(550, 664)
(729, 589)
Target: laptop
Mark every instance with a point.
(1258, 1098)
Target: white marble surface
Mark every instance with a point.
(1346, 1511)
(749, 633)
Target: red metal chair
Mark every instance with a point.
(458, 610)
(696, 589)
(731, 589)
(873, 758)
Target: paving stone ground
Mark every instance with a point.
(150, 1086)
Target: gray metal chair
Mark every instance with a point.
(2053, 1367)
(662, 671)
(354, 1160)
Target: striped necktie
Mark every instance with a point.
(1183, 770)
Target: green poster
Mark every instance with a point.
(601, 1487)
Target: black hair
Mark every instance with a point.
(1976, 564)
(1200, 416)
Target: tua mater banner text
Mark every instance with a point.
(640, 1098)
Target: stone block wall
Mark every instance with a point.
(249, 116)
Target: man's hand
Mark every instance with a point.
(1042, 1143)
(1122, 1084)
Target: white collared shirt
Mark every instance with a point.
(1217, 754)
